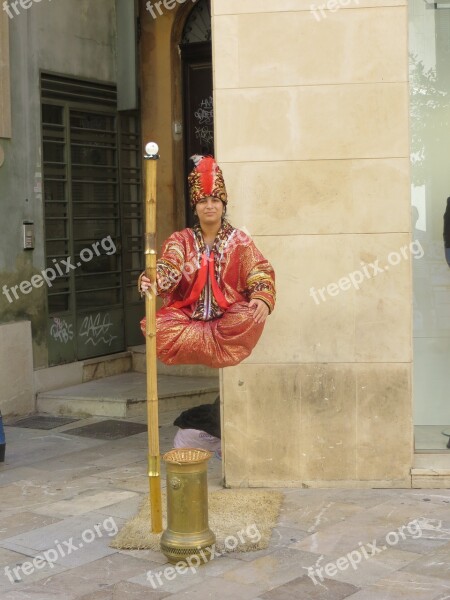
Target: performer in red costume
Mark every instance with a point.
(218, 287)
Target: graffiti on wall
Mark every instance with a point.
(204, 116)
(61, 330)
(96, 329)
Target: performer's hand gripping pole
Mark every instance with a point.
(151, 157)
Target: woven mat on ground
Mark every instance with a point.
(254, 513)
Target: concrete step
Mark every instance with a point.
(124, 395)
(56, 377)
(138, 365)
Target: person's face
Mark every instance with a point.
(209, 211)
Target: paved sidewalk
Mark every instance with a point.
(66, 494)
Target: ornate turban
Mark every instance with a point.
(206, 179)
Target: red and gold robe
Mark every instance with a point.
(206, 318)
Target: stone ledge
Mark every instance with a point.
(344, 484)
(433, 478)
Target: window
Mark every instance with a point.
(93, 218)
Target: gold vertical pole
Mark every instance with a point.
(151, 157)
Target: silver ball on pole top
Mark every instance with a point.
(151, 150)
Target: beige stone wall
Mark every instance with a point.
(311, 120)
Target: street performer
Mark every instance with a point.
(217, 286)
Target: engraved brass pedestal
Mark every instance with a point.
(187, 532)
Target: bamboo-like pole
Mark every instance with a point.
(154, 465)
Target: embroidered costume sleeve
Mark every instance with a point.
(260, 277)
(169, 268)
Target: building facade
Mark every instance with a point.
(323, 117)
(70, 193)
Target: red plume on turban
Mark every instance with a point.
(207, 169)
(206, 179)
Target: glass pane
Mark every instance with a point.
(102, 124)
(93, 192)
(56, 209)
(90, 263)
(94, 211)
(95, 281)
(54, 172)
(54, 191)
(58, 294)
(89, 232)
(430, 130)
(98, 298)
(52, 114)
(53, 151)
(58, 303)
(59, 248)
(55, 228)
(93, 155)
(131, 193)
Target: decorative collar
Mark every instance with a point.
(222, 237)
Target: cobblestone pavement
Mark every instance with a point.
(66, 495)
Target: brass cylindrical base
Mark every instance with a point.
(188, 533)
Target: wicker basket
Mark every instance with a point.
(187, 455)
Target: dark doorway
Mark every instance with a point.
(196, 55)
